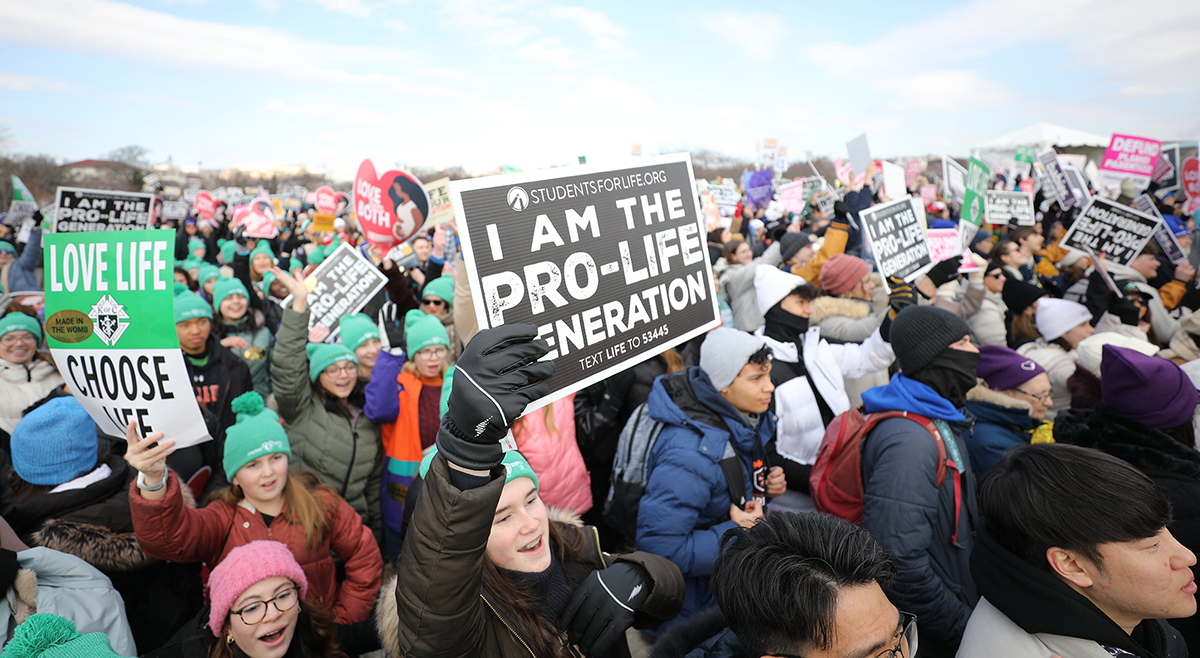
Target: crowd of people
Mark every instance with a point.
(1022, 472)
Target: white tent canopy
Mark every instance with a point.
(1044, 134)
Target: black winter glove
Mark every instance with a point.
(841, 211)
(944, 271)
(603, 606)
(239, 237)
(497, 375)
(902, 295)
(1125, 310)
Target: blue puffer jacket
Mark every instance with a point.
(685, 509)
(1002, 423)
(915, 520)
(22, 272)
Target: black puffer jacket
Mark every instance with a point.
(1174, 466)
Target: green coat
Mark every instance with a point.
(347, 456)
(259, 362)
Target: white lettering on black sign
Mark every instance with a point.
(101, 210)
(1118, 231)
(897, 238)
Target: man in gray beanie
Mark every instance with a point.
(923, 520)
(707, 471)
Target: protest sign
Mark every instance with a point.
(1129, 157)
(205, 205)
(946, 243)
(441, 210)
(1162, 234)
(80, 210)
(912, 169)
(896, 235)
(1077, 160)
(795, 195)
(189, 196)
(23, 205)
(1055, 182)
(342, 284)
(1117, 231)
(826, 201)
(726, 195)
(610, 264)
(390, 208)
(956, 180)
(974, 207)
(757, 185)
(175, 210)
(894, 185)
(1171, 181)
(1189, 179)
(344, 204)
(860, 153)
(780, 163)
(292, 191)
(1024, 154)
(1077, 184)
(325, 201)
(1164, 169)
(110, 325)
(1008, 207)
(929, 193)
(322, 222)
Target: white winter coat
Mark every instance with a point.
(21, 386)
(990, 634)
(987, 325)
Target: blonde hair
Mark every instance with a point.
(411, 367)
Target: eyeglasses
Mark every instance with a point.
(14, 337)
(431, 352)
(1044, 397)
(433, 302)
(257, 611)
(335, 370)
(905, 648)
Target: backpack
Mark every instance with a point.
(836, 482)
(631, 473)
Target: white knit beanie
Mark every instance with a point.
(771, 285)
(725, 352)
(1056, 317)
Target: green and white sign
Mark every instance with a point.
(110, 324)
(975, 198)
(1024, 154)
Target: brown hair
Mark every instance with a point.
(674, 361)
(314, 637)
(305, 508)
(730, 248)
(1023, 326)
(1020, 233)
(521, 603)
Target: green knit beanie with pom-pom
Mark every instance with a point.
(256, 433)
(50, 636)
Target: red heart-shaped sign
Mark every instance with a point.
(390, 208)
(1191, 177)
(326, 201)
(205, 205)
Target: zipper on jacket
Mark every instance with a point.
(353, 455)
(506, 625)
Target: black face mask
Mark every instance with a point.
(950, 374)
(783, 326)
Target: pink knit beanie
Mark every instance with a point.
(242, 568)
(841, 272)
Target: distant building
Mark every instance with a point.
(96, 169)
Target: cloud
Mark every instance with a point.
(393, 25)
(111, 29)
(487, 21)
(354, 8)
(548, 51)
(930, 90)
(353, 116)
(18, 82)
(157, 100)
(615, 97)
(755, 32)
(608, 36)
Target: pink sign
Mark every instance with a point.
(205, 206)
(391, 207)
(912, 169)
(1191, 181)
(944, 243)
(1129, 156)
(929, 193)
(326, 201)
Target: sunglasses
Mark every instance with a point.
(996, 275)
(434, 302)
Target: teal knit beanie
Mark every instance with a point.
(357, 329)
(323, 355)
(443, 287)
(228, 250)
(265, 284)
(190, 264)
(17, 321)
(193, 245)
(316, 256)
(226, 287)
(256, 433)
(294, 264)
(262, 247)
(421, 330)
(208, 271)
(46, 635)
(189, 305)
(514, 463)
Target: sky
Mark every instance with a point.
(529, 83)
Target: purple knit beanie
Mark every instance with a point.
(841, 272)
(245, 566)
(1145, 389)
(1002, 368)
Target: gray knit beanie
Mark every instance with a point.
(920, 333)
(725, 352)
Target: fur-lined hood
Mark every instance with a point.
(981, 393)
(99, 546)
(829, 307)
(387, 620)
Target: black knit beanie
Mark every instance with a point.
(920, 333)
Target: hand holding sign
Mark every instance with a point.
(148, 456)
(390, 208)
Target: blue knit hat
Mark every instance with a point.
(54, 443)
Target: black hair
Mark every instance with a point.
(778, 582)
(414, 192)
(762, 357)
(806, 291)
(1047, 495)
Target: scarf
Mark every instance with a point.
(950, 374)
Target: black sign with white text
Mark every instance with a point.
(610, 264)
(1117, 231)
(79, 210)
(1010, 207)
(343, 283)
(1162, 235)
(1055, 182)
(896, 233)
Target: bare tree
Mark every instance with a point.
(40, 173)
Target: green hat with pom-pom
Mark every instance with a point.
(295, 264)
(256, 433)
(226, 287)
(421, 331)
(208, 271)
(262, 247)
(194, 244)
(317, 255)
(228, 249)
(50, 636)
(323, 355)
